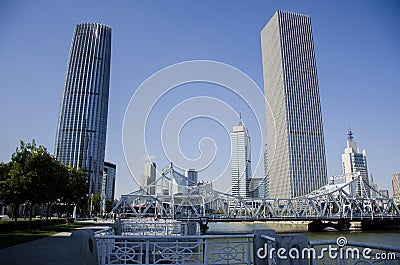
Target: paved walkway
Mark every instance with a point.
(51, 250)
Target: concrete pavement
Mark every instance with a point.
(51, 250)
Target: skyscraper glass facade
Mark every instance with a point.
(296, 163)
(82, 123)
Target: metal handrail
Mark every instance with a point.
(105, 230)
(148, 249)
(173, 237)
(268, 238)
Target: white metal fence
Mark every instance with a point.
(213, 249)
(169, 243)
(155, 228)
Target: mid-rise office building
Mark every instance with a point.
(192, 177)
(108, 185)
(82, 124)
(355, 162)
(257, 188)
(240, 161)
(296, 163)
(384, 194)
(178, 183)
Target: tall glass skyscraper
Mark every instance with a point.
(296, 163)
(240, 161)
(82, 123)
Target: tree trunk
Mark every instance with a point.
(30, 216)
(48, 211)
(15, 210)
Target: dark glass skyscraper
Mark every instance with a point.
(295, 141)
(82, 123)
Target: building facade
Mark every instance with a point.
(257, 188)
(108, 185)
(82, 123)
(192, 177)
(383, 194)
(240, 161)
(148, 179)
(396, 185)
(151, 173)
(374, 187)
(295, 149)
(355, 162)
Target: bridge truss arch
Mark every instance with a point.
(330, 202)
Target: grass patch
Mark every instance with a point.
(8, 239)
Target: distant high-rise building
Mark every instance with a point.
(150, 172)
(396, 185)
(192, 177)
(240, 161)
(206, 184)
(354, 162)
(178, 183)
(374, 187)
(82, 123)
(108, 186)
(383, 193)
(148, 179)
(296, 163)
(257, 188)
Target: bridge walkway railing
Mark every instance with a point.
(254, 248)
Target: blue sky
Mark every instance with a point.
(356, 46)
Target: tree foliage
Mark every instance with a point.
(96, 198)
(34, 176)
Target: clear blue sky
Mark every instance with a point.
(356, 45)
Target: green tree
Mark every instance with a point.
(33, 176)
(18, 178)
(96, 202)
(109, 205)
(76, 187)
(5, 192)
(54, 184)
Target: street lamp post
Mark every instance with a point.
(203, 222)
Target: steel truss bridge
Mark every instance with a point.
(350, 201)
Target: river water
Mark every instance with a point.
(377, 237)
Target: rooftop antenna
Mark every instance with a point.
(240, 119)
(350, 135)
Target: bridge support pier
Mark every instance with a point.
(343, 225)
(319, 225)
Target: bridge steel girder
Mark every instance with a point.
(334, 204)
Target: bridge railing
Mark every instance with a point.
(156, 228)
(209, 249)
(255, 248)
